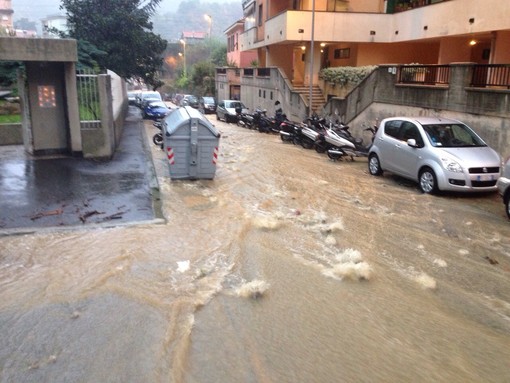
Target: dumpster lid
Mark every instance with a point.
(184, 115)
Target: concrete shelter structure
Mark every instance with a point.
(50, 120)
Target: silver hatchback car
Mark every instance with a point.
(438, 153)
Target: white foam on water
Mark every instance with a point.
(349, 265)
(266, 222)
(463, 252)
(254, 289)
(330, 240)
(440, 262)
(350, 270)
(426, 281)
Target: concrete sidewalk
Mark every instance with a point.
(70, 192)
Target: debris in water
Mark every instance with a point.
(75, 314)
(88, 214)
(492, 261)
(183, 266)
(114, 216)
(266, 223)
(46, 213)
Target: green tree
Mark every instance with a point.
(203, 78)
(122, 30)
(8, 72)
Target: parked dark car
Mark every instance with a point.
(155, 110)
(146, 97)
(132, 97)
(190, 100)
(207, 105)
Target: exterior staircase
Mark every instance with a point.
(318, 100)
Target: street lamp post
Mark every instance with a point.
(183, 42)
(311, 60)
(209, 20)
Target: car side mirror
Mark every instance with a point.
(412, 143)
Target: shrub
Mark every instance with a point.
(346, 75)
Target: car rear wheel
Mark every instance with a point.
(374, 166)
(428, 181)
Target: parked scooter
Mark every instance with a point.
(157, 139)
(358, 148)
(245, 120)
(290, 131)
(262, 122)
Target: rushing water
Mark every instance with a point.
(287, 267)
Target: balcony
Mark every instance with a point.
(396, 6)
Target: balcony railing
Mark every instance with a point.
(494, 76)
(484, 76)
(424, 74)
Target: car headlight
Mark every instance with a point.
(451, 165)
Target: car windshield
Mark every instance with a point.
(157, 104)
(452, 136)
(236, 104)
(208, 100)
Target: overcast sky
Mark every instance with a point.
(35, 10)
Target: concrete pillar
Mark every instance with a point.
(73, 113)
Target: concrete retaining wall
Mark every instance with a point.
(487, 111)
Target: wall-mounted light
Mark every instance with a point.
(303, 47)
(425, 27)
(323, 45)
(300, 30)
(396, 32)
(372, 33)
(471, 20)
(472, 42)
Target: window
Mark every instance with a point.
(260, 15)
(343, 53)
(391, 128)
(410, 131)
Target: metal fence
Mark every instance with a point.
(424, 74)
(88, 100)
(495, 75)
(484, 76)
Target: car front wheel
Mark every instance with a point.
(428, 181)
(507, 205)
(374, 166)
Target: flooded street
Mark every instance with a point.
(287, 267)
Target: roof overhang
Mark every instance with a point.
(35, 49)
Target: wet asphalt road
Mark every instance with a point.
(63, 191)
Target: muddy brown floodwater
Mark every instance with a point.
(287, 267)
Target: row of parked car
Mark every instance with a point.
(205, 104)
(153, 107)
(439, 154)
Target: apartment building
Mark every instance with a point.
(6, 17)
(302, 36)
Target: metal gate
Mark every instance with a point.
(88, 99)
